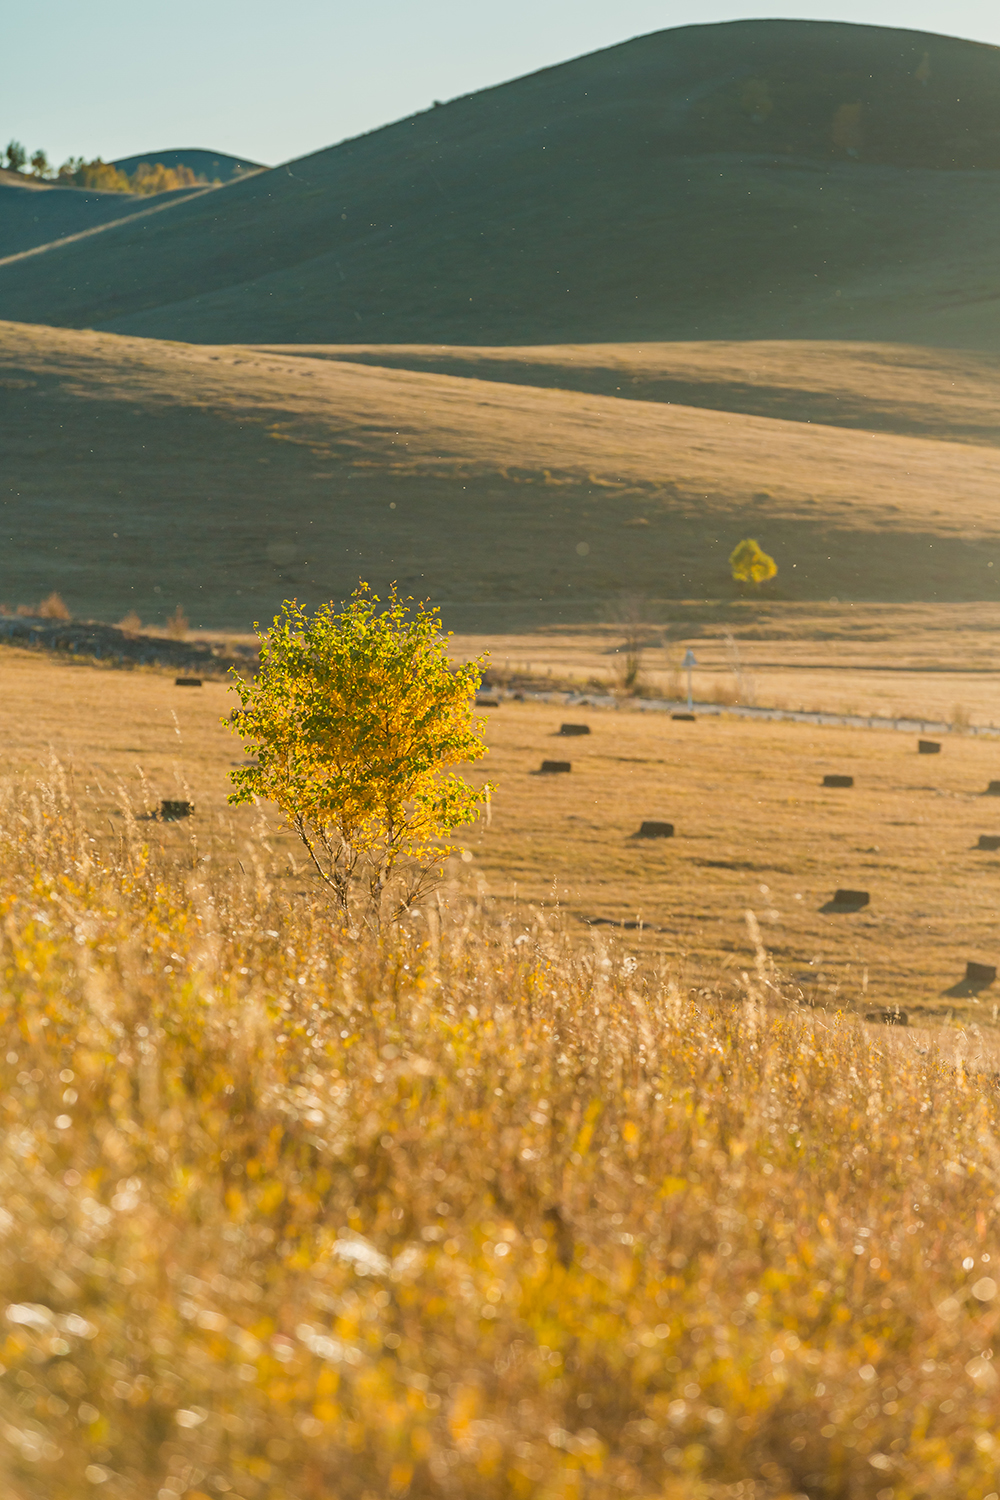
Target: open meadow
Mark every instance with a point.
(497, 1206)
(755, 830)
(656, 1152)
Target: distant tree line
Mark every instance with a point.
(102, 176)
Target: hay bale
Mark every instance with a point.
(853, 899)
(171, 811)
(993, 790)
(835, 780)
(980, 973)
(570, 729)
(989, 841)
(555, 767)
(654, 830)
(487, 702)
(928, 747)
(187, 682)
(889, 1016)
(686, 718)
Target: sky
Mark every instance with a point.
(113, 78)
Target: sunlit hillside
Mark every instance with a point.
(142, 474)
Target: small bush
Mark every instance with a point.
(130, 624)
(750, 564)
(53, 608)
(178, 625)
(354, 720)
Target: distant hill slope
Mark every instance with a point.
(764, 180)
(34, 213)
(214, 166)
(40, 213)
(141, 472)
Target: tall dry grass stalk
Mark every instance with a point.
(178, 625)
(53, 607)
(462, 1213)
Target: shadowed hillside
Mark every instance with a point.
(36, 213)
(761, 179)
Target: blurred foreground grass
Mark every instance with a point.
(469, 1214)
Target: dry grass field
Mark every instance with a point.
(901, 388)
(755, 829)
(477, 1212)
(227, 479)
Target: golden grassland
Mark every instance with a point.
(475, 1211)
(923, 662)
(901, 388)
(228, 478)
(755, 829)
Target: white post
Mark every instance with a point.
(689, 662)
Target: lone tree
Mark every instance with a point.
(16, 156)
(750, 564)
(354, 718)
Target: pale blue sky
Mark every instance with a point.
(273, 81)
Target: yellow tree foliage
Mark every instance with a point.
(98, 175)
(154, 177)
(354, 718)
(749, 563)
(148, 177)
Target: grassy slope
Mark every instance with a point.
(944, 393)
(463, 1212)
(229, 478)
(37, 214)
(755, 829)
(626, 195)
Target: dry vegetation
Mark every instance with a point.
(230, 478)
(474, 1213)
(755, 828)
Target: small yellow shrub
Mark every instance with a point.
(354, 719)
(750, 564)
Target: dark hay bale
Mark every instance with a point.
(487, 702)
(568, 729)
(928, 747)
(838, 780)
(554, 767)
(187, 682)
(989, 841)
(889, 1016)
(170, 812)
(993, 790)
(851, 898)
(653, 830)
(980, 973)
(685, 718)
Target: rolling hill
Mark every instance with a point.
(214, 166)
(754, 180)
(141, 473)
(34, 214)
